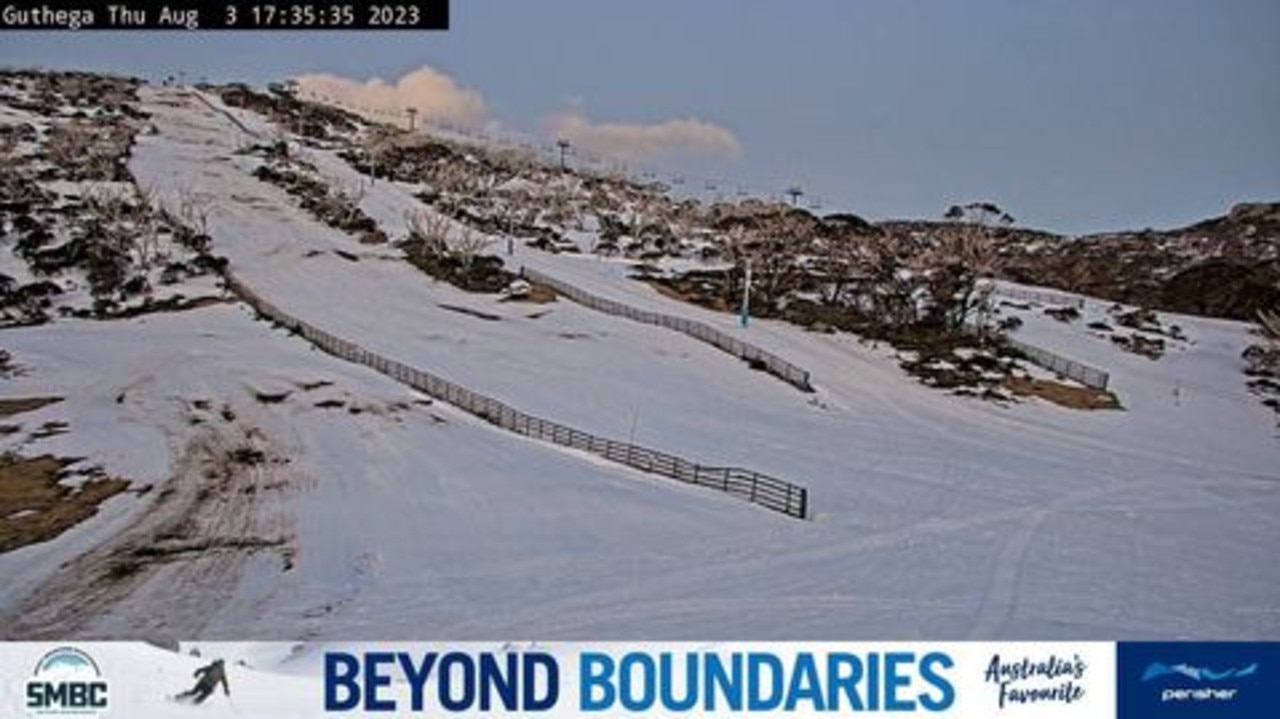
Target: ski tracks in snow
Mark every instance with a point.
(184, 553)
(1001, 596)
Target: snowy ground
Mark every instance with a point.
(935, 516)
(485, 523)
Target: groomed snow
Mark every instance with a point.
(936, 516)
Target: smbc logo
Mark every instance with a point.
(66, 681)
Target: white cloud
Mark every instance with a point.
(435, 96)
(639, 142)
(438, 97)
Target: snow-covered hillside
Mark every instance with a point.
(376, 514)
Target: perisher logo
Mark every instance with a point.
(66, 682)
(1204, 677)
(1195, 680)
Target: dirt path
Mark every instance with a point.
(169, 572)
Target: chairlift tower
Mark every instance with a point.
(564, 145)
(794, 192)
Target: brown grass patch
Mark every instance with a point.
(540, 294)
(1086, 398)
(537, 295)
(666, 289)
(35, 507)
(18, 405)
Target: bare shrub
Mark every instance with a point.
(469, 244)
(957, 261)
(108, 241)
(430, 231)
(145, 225)
(348, 195)
(194, 209)
(68, 144)
(86, 152)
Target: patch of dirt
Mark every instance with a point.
(703, 294)
(1063, 314)
(537, 295)
(148, 306)
(1085, 398)
(49, 429)
(1151, 348)
(173, 567)
(36, 507)
(954, 363)
(19, 405)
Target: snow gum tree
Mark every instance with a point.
(957, 261)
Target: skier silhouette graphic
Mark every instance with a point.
(207, 679)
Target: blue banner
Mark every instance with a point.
(1198, 680)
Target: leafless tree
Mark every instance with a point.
(890, 293)
(16, 184)
(739, 245)
(683, 221)
(560, 206)
(840, 258)
(603, 202)
(145, 223)
(110, 239)
(775, 259)
(194, 209)
(469, 244)
(430, 229)
(76, 148)
(347, 196)
(452, 178)
(378, 146)
(516, 160)
(956, 262)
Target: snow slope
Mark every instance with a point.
(397, 515)
(935, 516)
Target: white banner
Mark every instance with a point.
(560, 679)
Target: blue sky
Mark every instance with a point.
(1074, 115)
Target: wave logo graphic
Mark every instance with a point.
(1211, 685)
(66, 682)
(1200, 674)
